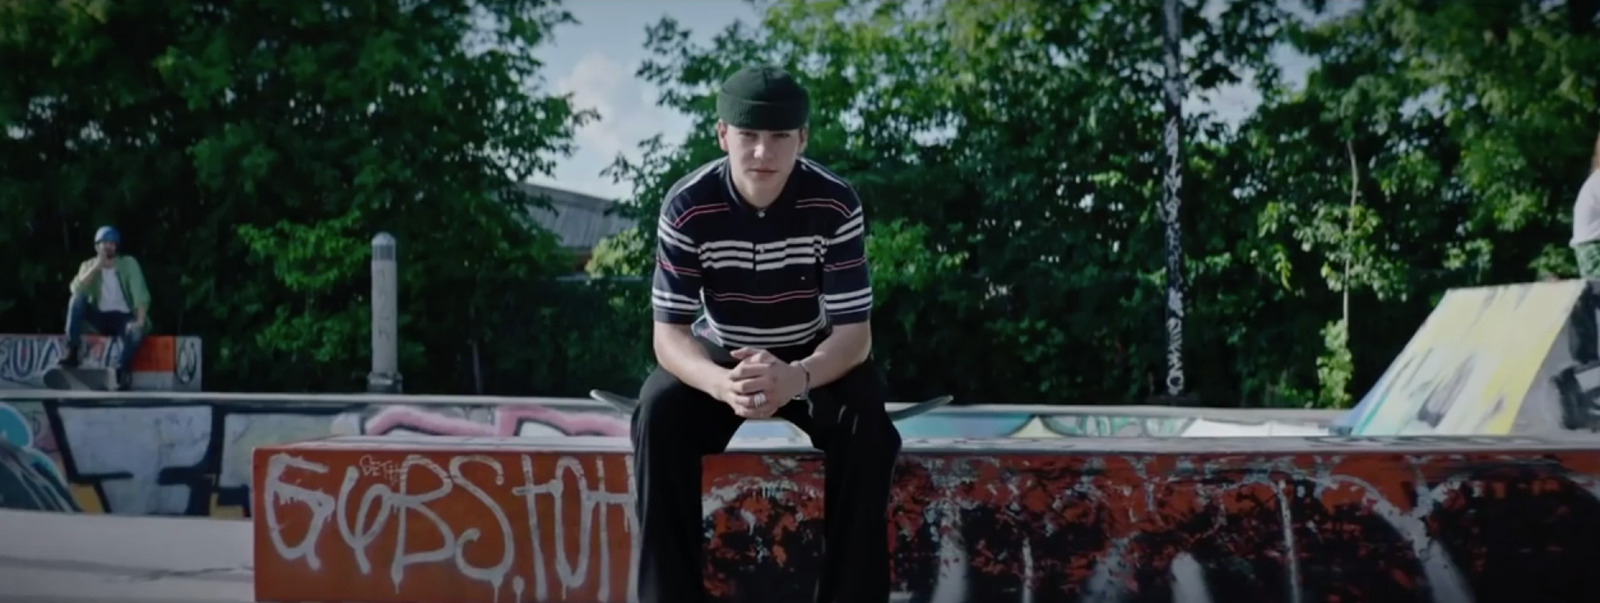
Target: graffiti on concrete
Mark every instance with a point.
(1575, 367)
(569, 517)
(163, 362)
(975, 422)
(1356, 523)
(27, 485)
(1476, 366)
(194, 458)
(25, 431)
(1113, 426)
(489, 421)
(23, 360)
(143, 461)
(28, 476)
(189, 359)
(171, 459)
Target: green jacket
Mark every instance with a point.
(87, 283)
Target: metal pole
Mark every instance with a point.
(1171, 185)
(385, 375)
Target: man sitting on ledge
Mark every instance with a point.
(770, 246)
(109, 293)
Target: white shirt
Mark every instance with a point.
(111, 298)
(1586, 212)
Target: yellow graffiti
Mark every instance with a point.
(1469, 367)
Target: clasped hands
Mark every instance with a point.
(760, 384)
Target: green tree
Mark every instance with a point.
(1436, 145)
(1007, 155)
(250, 149)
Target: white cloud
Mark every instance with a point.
(596, 60)
(628, 115)
(599, 82)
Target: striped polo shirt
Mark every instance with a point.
(770, 278)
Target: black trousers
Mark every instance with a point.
(675, 425)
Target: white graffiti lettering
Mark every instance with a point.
(592, 502)
(405, 501)
(379, 502)
(495, 575)
(321, 504)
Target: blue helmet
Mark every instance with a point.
(107, 233)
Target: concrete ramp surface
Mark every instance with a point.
(48, 557)
(1492, 361)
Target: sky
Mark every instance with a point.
(595, 61)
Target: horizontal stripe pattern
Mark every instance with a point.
(774, 279)
(793, 251)
(768, 337)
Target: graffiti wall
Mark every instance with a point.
(29, 478)
(979, 422)
(1574, 371)
(163, 362)
(1477, 364)
(131, 458)
(1286, 519)
(194, 459)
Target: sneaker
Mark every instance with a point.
(120, 380)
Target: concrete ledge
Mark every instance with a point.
(164, 362)
(925, 446)
(1196, 519)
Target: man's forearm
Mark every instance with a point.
(84, 279)
(847, 347)
(678, 353)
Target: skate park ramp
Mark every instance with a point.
(1510, 359)
(53, 557)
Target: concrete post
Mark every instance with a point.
(385, 375)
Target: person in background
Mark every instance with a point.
(108, 293)
(1586, 221)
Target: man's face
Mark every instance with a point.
(107, 248)
(762, 159)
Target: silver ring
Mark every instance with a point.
(761, 398)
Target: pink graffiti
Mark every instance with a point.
(507, 422)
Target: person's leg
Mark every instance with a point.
(113, 326)
(131, 340)
(1588, 255)
(673, 426)
(848, 421)
(78, 311)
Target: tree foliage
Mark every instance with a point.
(1009, 153)
(249, 150)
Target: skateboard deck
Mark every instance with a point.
(626, 404)
(77, 379)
